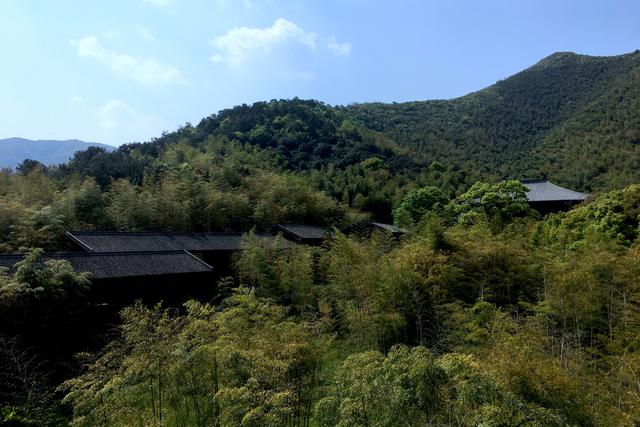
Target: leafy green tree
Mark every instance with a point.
(498, 203)
(417, 203)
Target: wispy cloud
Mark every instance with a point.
(239, 44)
(111, 34)
(340, 49)
(147, 71)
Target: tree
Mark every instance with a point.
(497, 203)
(418, 202)
(28, 165)
(404, 388)
(38, 228)
(243, 365)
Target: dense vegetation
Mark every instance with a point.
(571, 117)
(483, 314)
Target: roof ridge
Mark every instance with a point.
(198, 259)
(157, 233)
(534, 180)
(95, 254)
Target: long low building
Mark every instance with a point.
(131, 241)
(118, 265)
(216, 249)
(146, 261)
(127, 276)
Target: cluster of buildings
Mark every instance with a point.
(181, 264)
(170, 264)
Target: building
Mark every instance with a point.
(366, 228)
(216, 249)
(123, 277)
(311, 235)
(546, 197)
(152, 266)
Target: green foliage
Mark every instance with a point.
(38, 287)
(498, 203)
(37, 304)
(418, 202)
(571, 117)
(244, 365)
(401, 389)
(478, 324)
(615, 214)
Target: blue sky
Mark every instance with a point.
(119, 71)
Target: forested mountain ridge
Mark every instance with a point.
(573, 118)
(530, 124)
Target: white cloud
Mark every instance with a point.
(147, 71)
(146, 34)
(160, 3)
(238, 44)
(113, 122)
(340, 49)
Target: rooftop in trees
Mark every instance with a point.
(114, 241)
(366, 227)
(308, 234)
(541, 190)
(121, 264)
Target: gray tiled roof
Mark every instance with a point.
(366, 227)
(541, 190)
(108, 241)
(122, 264)
(389, 228)
(304, 231)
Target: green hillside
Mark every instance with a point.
(572, 117)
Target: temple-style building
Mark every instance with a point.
(546, 197)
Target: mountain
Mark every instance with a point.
(574, 118)
(50, 152)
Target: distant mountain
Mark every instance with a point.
(49, 152)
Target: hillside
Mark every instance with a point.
(575, 118)
(49, 152)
